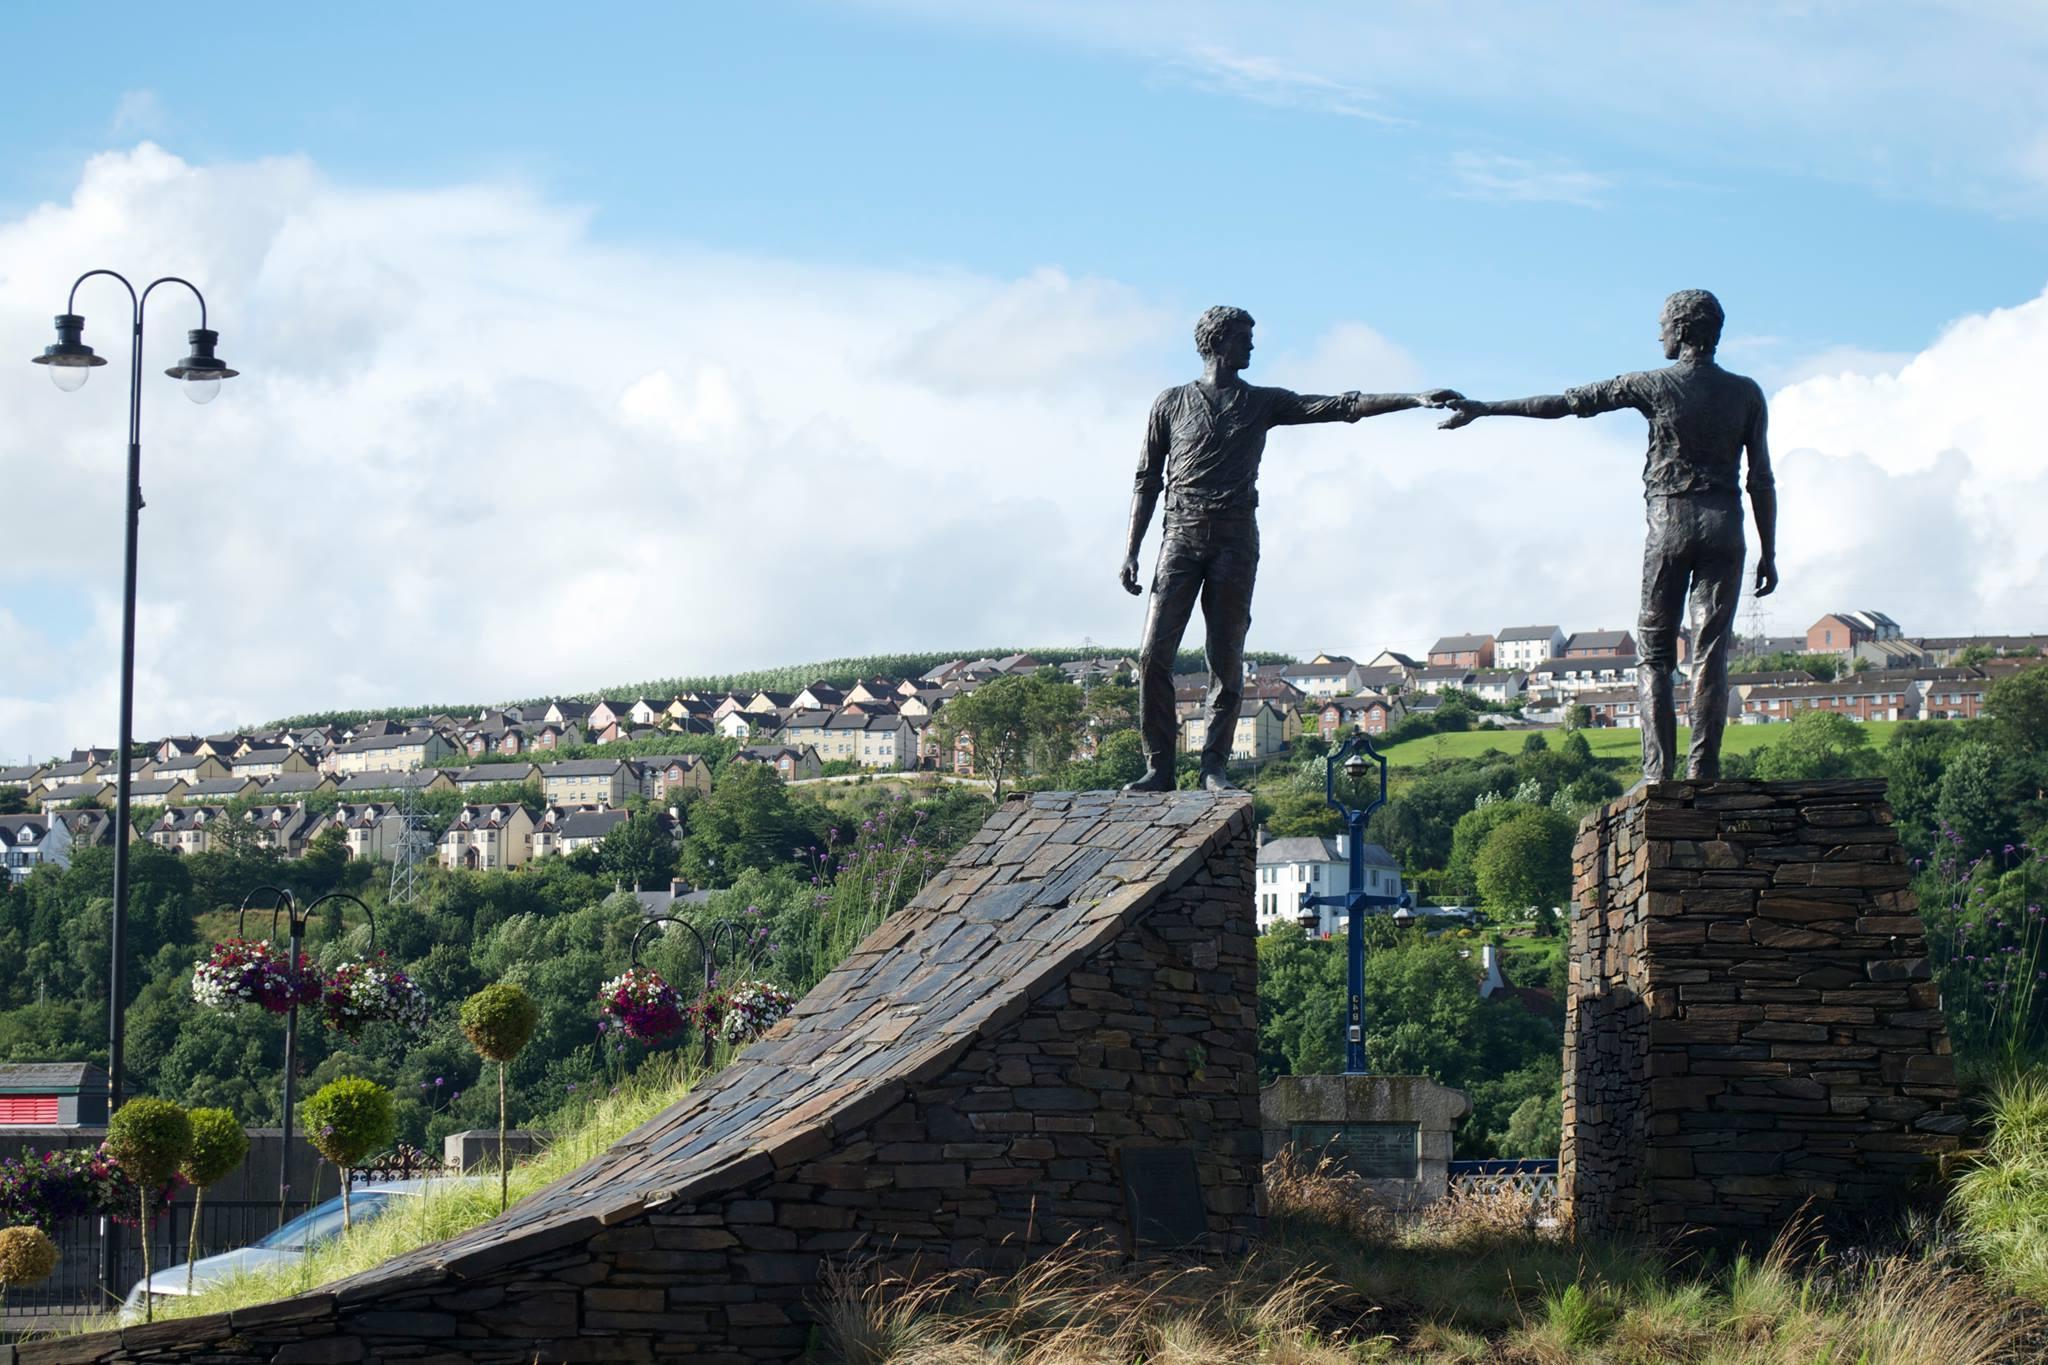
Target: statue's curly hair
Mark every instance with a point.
(1699, 318)
(1210, 327)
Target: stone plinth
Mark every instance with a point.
(1750, 1023)
(1057, 1038)
(1392, 1131)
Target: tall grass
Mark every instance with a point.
(2002, 1201)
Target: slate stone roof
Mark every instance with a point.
(1049, 880)
(1517, 634)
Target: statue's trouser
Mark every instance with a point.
(1213, 557)
(1693, 544)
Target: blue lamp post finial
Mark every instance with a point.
(1354, 755)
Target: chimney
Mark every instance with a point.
(678, 888)
(1344, 845)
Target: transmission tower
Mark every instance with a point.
(1756, 624)
(415, 845)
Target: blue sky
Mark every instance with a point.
(888, 136)
(890, 285)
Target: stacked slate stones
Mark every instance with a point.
(1750, 1023)
(1074, 997)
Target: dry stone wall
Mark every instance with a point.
(966, 1090)
(1750, 1023)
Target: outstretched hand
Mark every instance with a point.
(1440, 398)
(1468, 412)
(1766, 577)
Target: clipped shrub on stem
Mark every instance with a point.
(150, 1138)
(346, 1120)
(27, 1256)
(218, 1145)
(498, 1021)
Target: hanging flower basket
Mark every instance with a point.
(751, 1008)
(372, 992)
(643, 1003)
(242, 972)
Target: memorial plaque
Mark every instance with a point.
(1375, 1151)
(1163, 1196)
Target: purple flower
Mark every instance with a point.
(572, 1087)
(437, 1081)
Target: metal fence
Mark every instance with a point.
(224, 1225)
(1533, 1177)
(76, 1288)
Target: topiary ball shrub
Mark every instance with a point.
(150, 1138)
(498, 1020)
(218, 1146)
(349, 1118)
(27, 1256)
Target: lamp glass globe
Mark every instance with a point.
(70, 378)
(202, 390)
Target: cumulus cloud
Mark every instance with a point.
(478, 454)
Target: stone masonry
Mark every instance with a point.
(1750, 1022)
(1079, 982)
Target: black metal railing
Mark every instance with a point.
(75, 1287)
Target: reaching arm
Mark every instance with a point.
(1545, 406)
(1293, 409)
(1763, 500)
(1145, 492)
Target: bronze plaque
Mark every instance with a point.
(1375, 1151)
(1163, 1196)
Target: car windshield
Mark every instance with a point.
(324, 1221)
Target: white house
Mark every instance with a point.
(1523, 647)
(1288, 867)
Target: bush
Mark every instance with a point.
(219, 1144)
(348, 1119)
(150, 1138)
(27, 1256)
(498, 1020)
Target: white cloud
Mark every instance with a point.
(1514, 179)
(1265, 80)
(138, 113)
(478, 455)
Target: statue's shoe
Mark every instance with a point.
(1213, 780)
(1153, 781)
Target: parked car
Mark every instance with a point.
(322, 1223)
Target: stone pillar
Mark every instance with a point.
(1750, 1023)
(1392, 1131)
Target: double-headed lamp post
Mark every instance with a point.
(71, 362)
(1354, 756)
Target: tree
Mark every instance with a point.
(1577, 716)
(150, 1138)
(2017, 707)
(498, 1020)
(1526, 861)
(219, 1142)
(1469, 835)
(1978, 797)
(1301, 1004)
(1012, 722)
(346, 1120)
(747, 821)
(639, 853)
(1819, 745)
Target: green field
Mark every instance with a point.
(1628, 744)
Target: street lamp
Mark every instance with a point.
(729, 933)
(296, 920)
(71, 362)
(1353, 757)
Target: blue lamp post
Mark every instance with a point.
(1353, 756)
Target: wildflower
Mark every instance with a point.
(437, 1081)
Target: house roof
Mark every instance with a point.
(29, 1077)
(1604, 641)
(377, 743)
(1311, 849)
(1587, 661)
(1460, 644)
(1336, 668)
(11, 827)
(591, 824)
(1517, 634)
(767, 753)
(72, 791)
(22, 775)
(220, 786)
(156, 786)
(294, 782)
(491, 772)
(258, 757)
(582, 767)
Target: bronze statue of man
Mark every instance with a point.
(1702, 419)
(1202, 448)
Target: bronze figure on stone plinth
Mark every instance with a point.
(1702, 419)
(1202, 449)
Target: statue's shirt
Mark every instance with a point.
(1204, 447)
(1701, 419)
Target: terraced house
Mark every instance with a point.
(587, 782)
(393, 753)
(488, 838)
